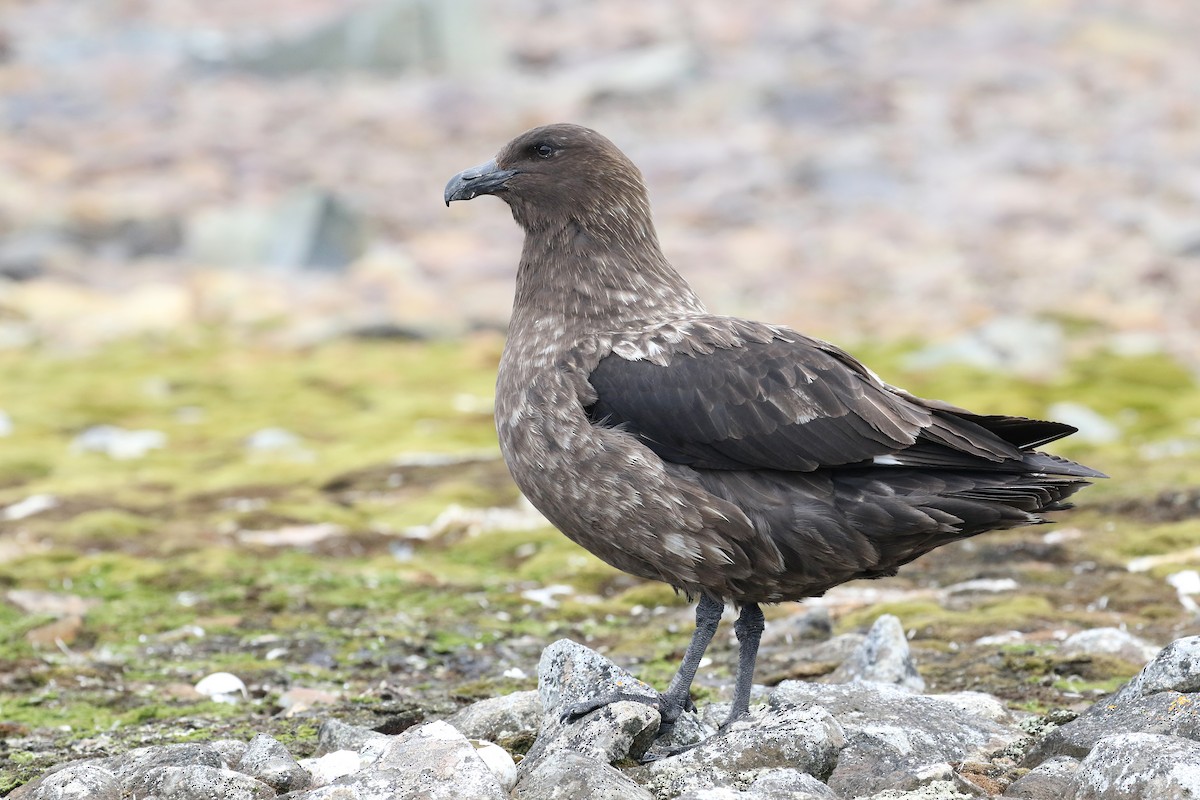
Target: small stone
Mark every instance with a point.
(6, 424)
(431, 761)
(299, 699)
(30, 506)
(118, 443)
(1052, 780)
(498, 761)
(883, 657)
(222, 687)
(230, 750)
(1109, 642)
(267, 760)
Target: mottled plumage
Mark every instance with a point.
(737, 461)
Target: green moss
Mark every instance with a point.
(107, 526)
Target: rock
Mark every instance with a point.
(118, 443)
(883, 657)
(620, 730)
(1022, 345)
(334, 736)
(1109, 642)
(222, 687)
(789, 784)
(230, 750)
(432, 761)
(200, 782)
(895, 740)
(566, 776)
(935, 790)
(1051, 780)
(267, 760)
(498, 761)
(386, 36)
(1140, 765)
(87, 780)
(810, 623)
(512, 719)
(331, 766)
(979, 704)
(1092, 427)
(142, 770)
(1160, 699)
(6, 424)
(569, 673)
(808, 739)
(30, 506)
(38, 601)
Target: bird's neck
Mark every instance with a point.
(598, 278)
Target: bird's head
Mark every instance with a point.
(557, 173)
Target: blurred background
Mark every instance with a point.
(246, 353)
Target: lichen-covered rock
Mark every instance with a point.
(895, 740)
(806, 739)
(199, 782)
(883, 657)
(334, 736)
(566, 775)
(269, 761)
(86, 780)
(511, 720)
(1109, 642)
(1140, 766)
(1051, 780)
(1161, 699)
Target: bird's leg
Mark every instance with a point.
(675, 700)
(749, 628)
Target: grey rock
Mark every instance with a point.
(775, 784)
(388, 37)
(118, 443)
(1176, 668)
(87, 780)
(230, 750)
(569, 673)
(269, 761)
(566, 776)
(883, 657)
(1051, 780)
(1108, 642)
(791, 784)
(617, 731)
(808, 624)
(141, 769)
(513, 718)
(334, 736)
(199, 782)
(937, 790)
(1157, 700)
(896, 740)
(1133, 766)
(432, 761)
(807, 739)
(1021, 345)
(979, 704)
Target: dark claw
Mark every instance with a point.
(583, 708)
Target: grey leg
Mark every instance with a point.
(676, 699)
(749, 628)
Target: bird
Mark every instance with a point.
(737, 461)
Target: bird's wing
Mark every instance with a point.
(780, 401)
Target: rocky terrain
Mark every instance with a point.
(871, 737)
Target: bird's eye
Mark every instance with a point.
(543, 150)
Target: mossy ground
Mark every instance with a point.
(396, 627)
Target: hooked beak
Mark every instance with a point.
(484, 179)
